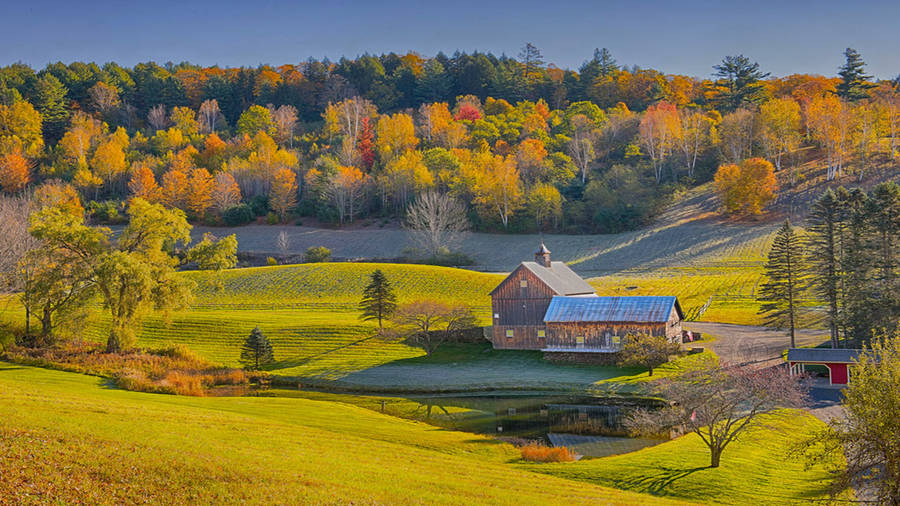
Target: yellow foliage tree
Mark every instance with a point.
(199, 191)
(405, 176)
(63, 196)
(283, 194)
(174, 188)
(396, 135)
(498, 188)
(746, 188)
(108, 161)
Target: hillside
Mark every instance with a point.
(67, 438)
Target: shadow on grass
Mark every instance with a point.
(659, 482)
(288, 363)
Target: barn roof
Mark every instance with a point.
(560, 278)
(833, 355)
(648, 309)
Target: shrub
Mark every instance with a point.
(541, 453)
(272, 219)
(271, 261)
(317, 254)
(238, 215)
(260, 205)
(108, 212)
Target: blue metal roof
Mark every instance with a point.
(649, 309)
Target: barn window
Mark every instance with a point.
(579, 340)
(523, 283)
(496, 315)
(617, 340)
(509, 333)
(542, 333)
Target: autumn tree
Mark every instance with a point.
(143, 183)
(436, 222)
(283, 195)
(157, 118)
(544, 201)
(285, 119)
(692, 135)
(213, 254)
(225, 192)
(830, 122)
(746, 188)
(105, 99)
(657, 133)
(365, 144)
(780, 128)
(173, 189)
(498, 187)
(736, 134)
(345, 117)
(209, 116)
(254, 120)
(15, 172)
(184, 120)
(404, 176)
(347, 189)
(581, 145)
(21, 129)
(786, 281)
(396, 136)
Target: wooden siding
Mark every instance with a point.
(516, 305)
(524, 337)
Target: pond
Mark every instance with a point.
(590, 426)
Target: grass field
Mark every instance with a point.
(67, 439)
(756, 469)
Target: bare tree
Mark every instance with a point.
(436, 221)
(209, 116)
(15, 241)
(736, 134)
(429, 323)
(721, 403)
(581, 146)
(283, 243)
(285, 118)
(157, 118)
(105, 98)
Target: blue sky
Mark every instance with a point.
(685, 37)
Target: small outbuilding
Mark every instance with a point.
(839, 362)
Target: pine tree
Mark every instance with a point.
(256, 350)
(854, 83)
(378, 300)
(828, 222)
(787, 278)
(50, 101)
(741, 80)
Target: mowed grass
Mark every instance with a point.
(755, 469)
(66, 438)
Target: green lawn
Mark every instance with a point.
(756, 469)
(66, 438)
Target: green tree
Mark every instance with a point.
(211, 254)
(646, 350)
(139, 275)
(828, 223)
(863, 442)
(254, 120)
(379, 301)
(854, 83)
(739, 82)
(256, 350)
(787, 276)
(50, 101)
(59, 275)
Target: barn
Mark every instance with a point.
(544, 305)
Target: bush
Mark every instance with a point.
(271, 261)
(110, 212)
(238, 215)
(317, 254)
(541, 453)
(260, 205)
(272, 219)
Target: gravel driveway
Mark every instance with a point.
(738, 344)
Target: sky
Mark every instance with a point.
(683, 37)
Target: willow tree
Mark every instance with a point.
(138, 274)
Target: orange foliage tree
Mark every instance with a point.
(60, 195)
(199, 191)
(174, 188)
(143, 184)
(746, 188)
(15, 172)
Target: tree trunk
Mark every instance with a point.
(714, 455)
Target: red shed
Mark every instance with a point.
(837, 360)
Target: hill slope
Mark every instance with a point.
(66, 438)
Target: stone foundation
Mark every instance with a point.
(582, 358)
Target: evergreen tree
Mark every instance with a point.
(828, 222)
(256, 350)
(50, 101)
(378, 300)
(787, 277)
(741, 79)
(854, 83)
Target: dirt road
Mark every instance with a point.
(738, 344)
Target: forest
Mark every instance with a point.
(522, 144)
